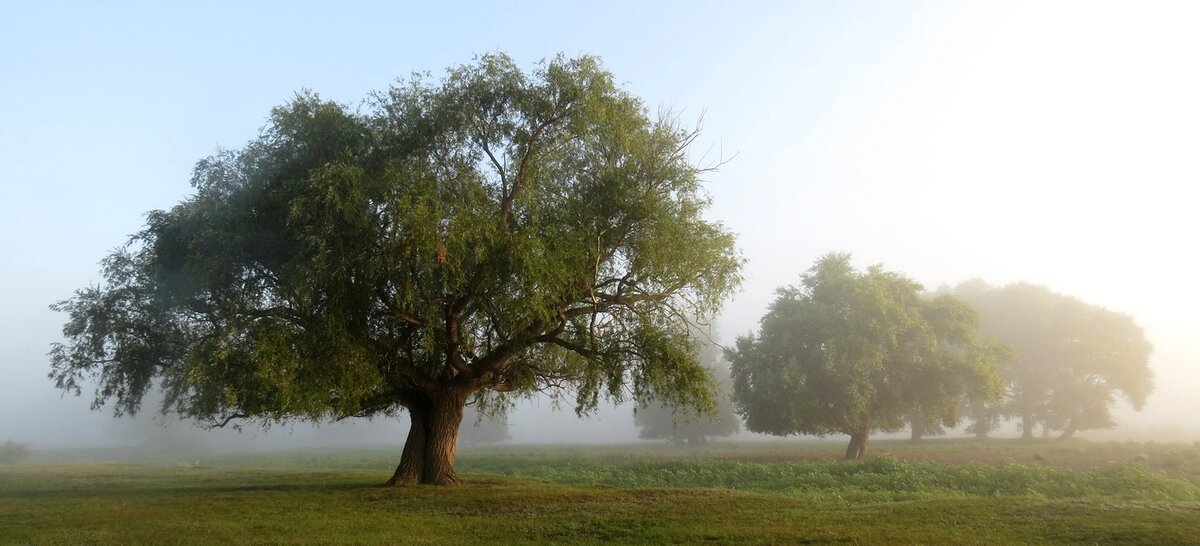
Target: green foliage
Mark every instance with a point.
(494, 232)
(1069, 359)
(852, 352)
(657, 420)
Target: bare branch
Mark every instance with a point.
(226, 421)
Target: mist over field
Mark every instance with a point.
(1049, 143)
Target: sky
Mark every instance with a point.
(1051, 142)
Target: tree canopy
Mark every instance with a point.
(854, 352)
(1070, 359)
(491, 234)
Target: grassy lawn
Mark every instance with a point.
(731, 493)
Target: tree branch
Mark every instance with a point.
(227, 420)
(501, 354)
(483, 143)
(522, 166)
(454, 344)
(573, 347)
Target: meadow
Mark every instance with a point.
(935, 491)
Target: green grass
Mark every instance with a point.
(872, 480)
(655, 495)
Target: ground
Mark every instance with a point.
(951, 492)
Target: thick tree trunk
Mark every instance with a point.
(982, 418)
(412, 459)
(1027, 428)
(432, 444)
(917, 421)
(1069, 431)
(858, 446)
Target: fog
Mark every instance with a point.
(1053, 143)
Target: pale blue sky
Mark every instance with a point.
(1053, 142)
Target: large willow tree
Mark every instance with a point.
(491, 234)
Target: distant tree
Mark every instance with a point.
(13, 452)
(498, 232)
(986, 408)
(1070, 361)
(979, 400)
(482, 428)
(920, 427)
(854, 352)
(657, 420)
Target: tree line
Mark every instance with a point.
(500, 233)
(855, 352)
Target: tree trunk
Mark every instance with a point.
(1068, 432)
(858, 446)
(1027, 428)
(981, 426)
(412, 459)
(982, 418)
(852, 449)
(917, 421)
(432, 444)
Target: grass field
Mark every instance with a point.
(947, 492)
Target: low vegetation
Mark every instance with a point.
(793, 492)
